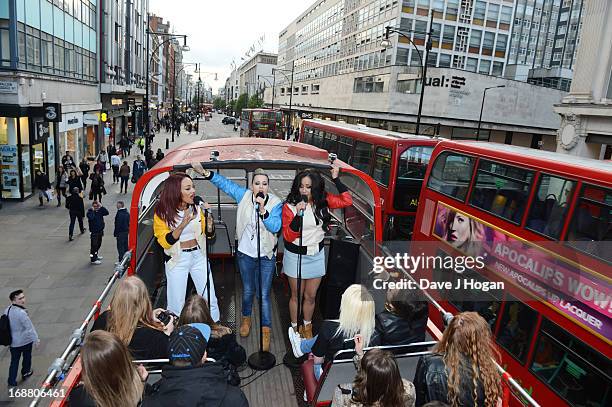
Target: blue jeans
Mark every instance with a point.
(250, 281)
(26, 366)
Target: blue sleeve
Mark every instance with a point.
(229, 187)
(274, 221)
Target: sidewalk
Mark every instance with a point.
(59, 282)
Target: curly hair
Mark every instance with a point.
(468, 338)
(379, 381)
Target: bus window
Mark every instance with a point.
(330, 143)
(518, 321)
(549, 206)
(578, 374)
(411, 169)
(451, 175)
(592, 223)
(502, 190)
(317, 138)
(345, 146)
(382, 165)
(362, 157)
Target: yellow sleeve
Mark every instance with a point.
(161, 230)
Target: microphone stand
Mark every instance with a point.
(260, 360)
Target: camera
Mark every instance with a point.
(166, 316)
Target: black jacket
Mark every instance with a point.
(204, 386)
(122, 222)
(96, 219)
(74, 203)
(42, 182)
(431, 382)
(392, 329)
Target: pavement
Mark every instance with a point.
(59, 282)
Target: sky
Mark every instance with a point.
(221, 31)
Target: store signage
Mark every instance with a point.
(8, 87)
(52, 112)
(41, 134)
(455, 82)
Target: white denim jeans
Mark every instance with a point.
(190, 263)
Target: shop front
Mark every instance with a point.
(27, 144)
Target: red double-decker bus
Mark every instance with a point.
(396, 161)
(541, 223)
(265, 123)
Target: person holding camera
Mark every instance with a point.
(181, 227)
(306, 212)
(131, 317)
(95, 216)
(254, 205)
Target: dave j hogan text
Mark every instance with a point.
(425, 284)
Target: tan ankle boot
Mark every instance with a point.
(266, 333)
(306, 331)
(245, 326)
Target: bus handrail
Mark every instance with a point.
(58, 366)
(447, 317)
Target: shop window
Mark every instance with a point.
(516, 329)
(549, 205)
(451, 175)
(579, 375)
(502, 190)
(382, 165)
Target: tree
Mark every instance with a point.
(218, 103)
(255, 102)
(241, 103)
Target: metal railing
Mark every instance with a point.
(60, 365)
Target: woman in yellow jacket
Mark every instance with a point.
(181, 228)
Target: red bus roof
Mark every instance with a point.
(598, 171)
(358, 129)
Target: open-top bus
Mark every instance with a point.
(265, 123)
(396, 161)
(356, 234)
(542, 224)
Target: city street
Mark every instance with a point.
(59, 282)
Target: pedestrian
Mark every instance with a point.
(115, 163)
(97, 186)
(68, 161)
(84, 167)
(160, 155)
(138, 169)
(76, 210)
(124, 174)
(95, 216)
(41, 182)
(122, 227)
(103, 159)
(61, 183)
(23, 336)
(74, 181)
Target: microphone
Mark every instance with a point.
(304, 199)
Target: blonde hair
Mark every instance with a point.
(103, 352)
(130, 306)
(356, 313)
(468, 338)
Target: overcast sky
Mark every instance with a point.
(222, 31)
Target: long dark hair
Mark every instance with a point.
(170, 198)
(319, 196)
(379, 380)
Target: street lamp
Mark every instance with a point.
(185, 48)
(282, 71)
(484, 95)
(386, 43)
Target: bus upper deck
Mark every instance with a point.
(357, 226)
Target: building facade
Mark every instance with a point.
(342, 71)
(49, 97)
(586, 127)
(123, 63)
(544, 40)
